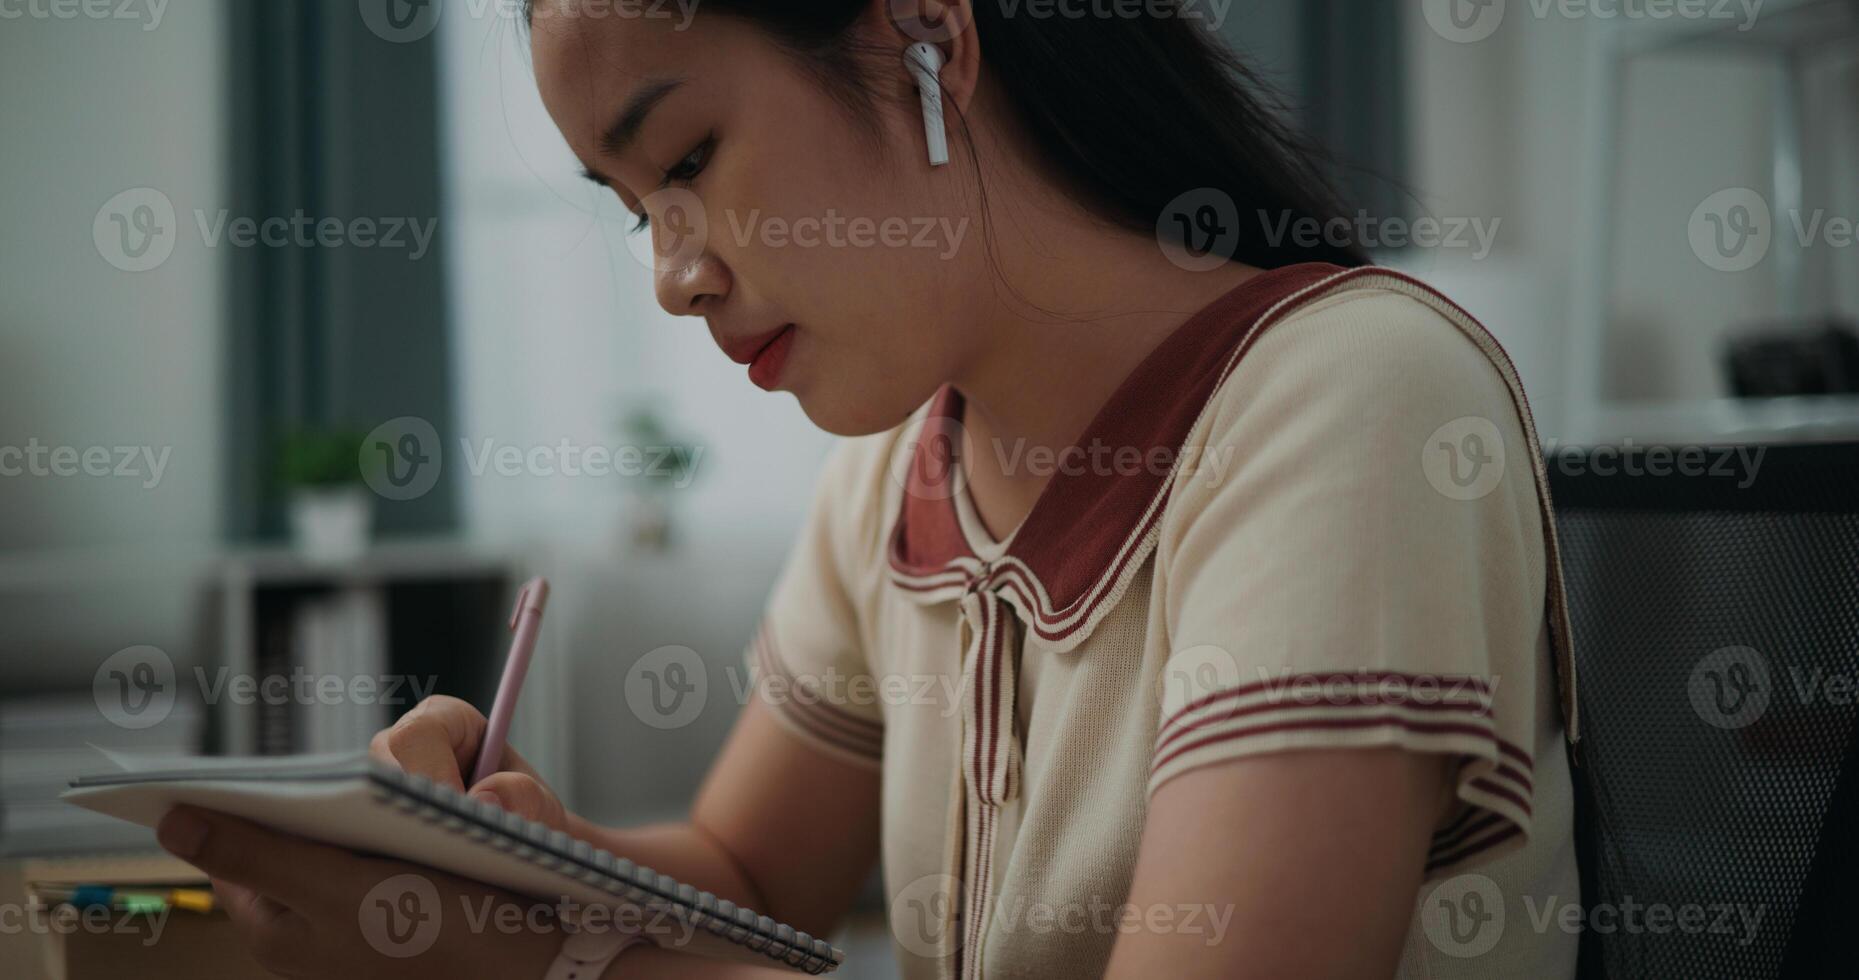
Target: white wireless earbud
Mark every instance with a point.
(925, 63)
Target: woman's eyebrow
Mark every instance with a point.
(632, 115)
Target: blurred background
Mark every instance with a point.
(251, 243)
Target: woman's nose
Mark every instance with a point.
(687, 276)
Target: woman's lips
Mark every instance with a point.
(765, 369)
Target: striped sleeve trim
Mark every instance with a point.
(804, 710)
(1495, 782)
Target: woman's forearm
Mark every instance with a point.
(687, 853)
(681, 850)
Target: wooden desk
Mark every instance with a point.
(37, 943)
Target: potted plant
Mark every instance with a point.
(330, 507)
(668, 465)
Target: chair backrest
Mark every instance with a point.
(1715, 604)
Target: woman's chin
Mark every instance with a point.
(835, 420)
(850, 416)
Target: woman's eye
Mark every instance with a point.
(693, 163)
(683, 172)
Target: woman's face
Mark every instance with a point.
(832, 267)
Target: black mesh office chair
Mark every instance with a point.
(1716, 621)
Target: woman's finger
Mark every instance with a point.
(523, 795)
(279, 939)
(293, 871)
(248, 909)
(438, 739)
(233, 896)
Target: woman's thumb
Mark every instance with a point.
(521, 794)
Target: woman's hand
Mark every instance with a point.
(310, 910)
(439, 739)
(307, 909)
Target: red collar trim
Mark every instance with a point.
(1092, 525)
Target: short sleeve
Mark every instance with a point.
(1360, 562)
(808, 658)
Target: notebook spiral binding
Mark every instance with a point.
(556, 851)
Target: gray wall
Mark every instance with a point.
(94, 356)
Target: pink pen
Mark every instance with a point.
(526, 622)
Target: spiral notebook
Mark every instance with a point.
(363, 805)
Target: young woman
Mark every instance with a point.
(1159, 616)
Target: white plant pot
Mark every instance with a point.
(331, 525)
(652, 521)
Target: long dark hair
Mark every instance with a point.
(1130, 112)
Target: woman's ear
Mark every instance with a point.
(950, 26)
